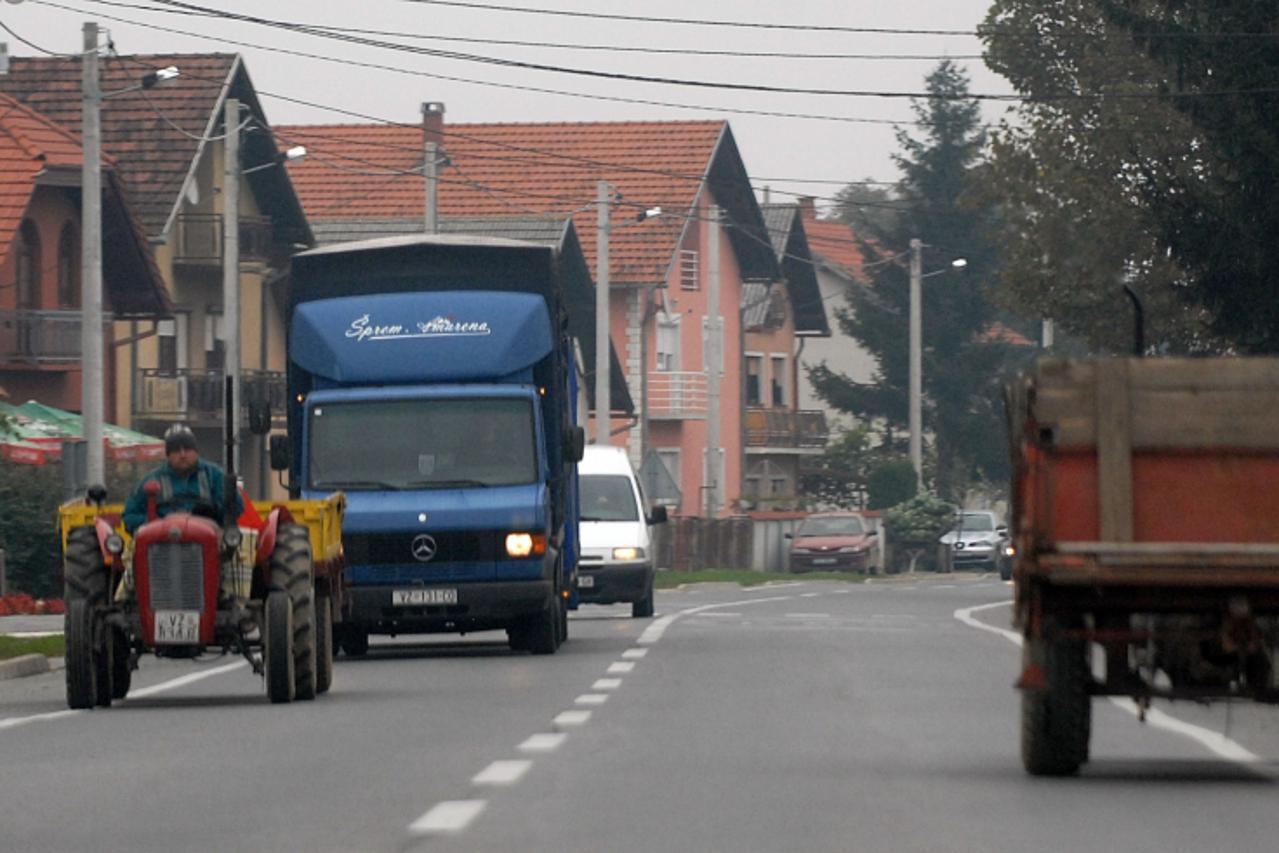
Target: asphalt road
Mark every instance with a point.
(804, 716)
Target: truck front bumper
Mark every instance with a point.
(479, 607)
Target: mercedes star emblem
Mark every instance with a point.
(424, 548)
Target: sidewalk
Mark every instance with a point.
(20, 626)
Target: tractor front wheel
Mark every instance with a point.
(121, 669)
(81, 664)
(278, 648)
(291, 572)
(88, 653)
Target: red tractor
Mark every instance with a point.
(193, 587)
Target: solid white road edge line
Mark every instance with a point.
(162, 687)
(654, 632)
(450, 816)
(1214, 742)
(502, 773)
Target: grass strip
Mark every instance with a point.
(12, 647)
(742, 577)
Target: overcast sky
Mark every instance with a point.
(792, 155)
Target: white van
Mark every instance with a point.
(617, 553)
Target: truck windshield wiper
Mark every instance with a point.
(355, 484)
(446, 484)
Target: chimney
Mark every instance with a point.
(807, 207)
(4, 57)
(433, 122)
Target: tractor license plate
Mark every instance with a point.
(177, 626)
(585, 581)
(403, 597)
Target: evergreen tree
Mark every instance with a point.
(961, 368)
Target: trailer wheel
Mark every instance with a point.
(278, 648)
(323, 643)
(291, 572)
(1056, 721)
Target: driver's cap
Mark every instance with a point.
(179, 437)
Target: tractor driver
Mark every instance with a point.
(185, 480)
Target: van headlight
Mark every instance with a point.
(628, 553)
(525, 544)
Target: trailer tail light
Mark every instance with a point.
(525, 544)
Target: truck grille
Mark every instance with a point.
(451, 546)
(177, 576)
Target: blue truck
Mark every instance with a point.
(433, 380)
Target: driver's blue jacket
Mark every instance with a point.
(206, 482)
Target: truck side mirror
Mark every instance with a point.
(575, 444)
(281, 453)
(658, 515)
(259, 417)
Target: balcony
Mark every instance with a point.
(786, 431)
(196, 396)
(40, 337)
(199, 239)
(676, 395)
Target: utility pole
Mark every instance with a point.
(603, 405)
(916, 361)
(432, 121)
(714, 356)
(92, 404)
(231, 269)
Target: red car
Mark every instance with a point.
(833, 541)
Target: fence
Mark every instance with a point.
(754, 544)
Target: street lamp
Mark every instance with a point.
(92, 381)
(916, 414)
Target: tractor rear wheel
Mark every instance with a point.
(323, 643)
(291, 572)
(1056, 721)
(278, 647)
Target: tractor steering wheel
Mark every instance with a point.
(196, 506)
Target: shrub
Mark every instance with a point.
(915, 526)
(890, 483)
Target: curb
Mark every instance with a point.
(24, 665)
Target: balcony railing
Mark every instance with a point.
(199, 239)
(40, 337)
(676, 395)
(786, 428)
(197, 394)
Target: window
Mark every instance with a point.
(28, 266)
(670, 457)
(779, 380)
(754, 378)
(214, 342)
(779, 487)
(688, 277)
(68, 268)
(167, 346)
(668, 342)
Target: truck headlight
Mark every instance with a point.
(628, 553)
(525, 544)
(115, 544)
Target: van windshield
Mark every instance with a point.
(371, 445)
(608, 498)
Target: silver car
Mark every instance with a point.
(978, 540)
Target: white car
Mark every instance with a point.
(979, 540)
(617, 553)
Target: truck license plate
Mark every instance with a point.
(585, 581)
(177, 626)
(402, 597)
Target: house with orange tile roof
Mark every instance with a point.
(40, 284)
(658, 261)
(166, 145)
(838, 264)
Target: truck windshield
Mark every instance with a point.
(608, 498)
(371, 445)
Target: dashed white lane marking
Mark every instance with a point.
(591, 699)
(545, 742)
(620, 667)
(807, 615)
(1214, 742)
(720, 614)
(809, 594)
(634, 654)
(163, 687)
(572, 718)
(769, 587)
(606, 684)
(946, 586)
(502, 773)
(448, 817)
